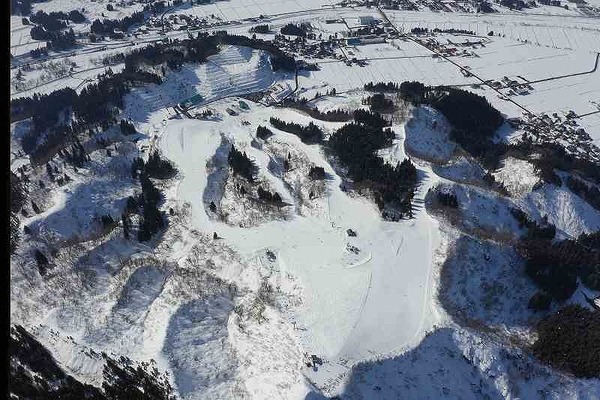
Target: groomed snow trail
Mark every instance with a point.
(374, 305)
(396, 303)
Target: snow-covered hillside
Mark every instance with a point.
(311, 293)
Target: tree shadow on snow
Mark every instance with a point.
(176, 87)
(196, 349)
(483, 282)
(436, 369)
(215, 180)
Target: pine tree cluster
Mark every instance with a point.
(309, 134)
(556, 267)
(127, 127)
(382, 87)
(317, 173)
(108, 26)
(330, 116)
(241, 164)
(355, 145)
(570, 341)
(295, 30)
(262, 132)
(267, 196)
(535, 231)
(155, 167)
(378, 102)
(264, 28)
(152, 219)
(370, 118)
(447, 199)
(587, 192)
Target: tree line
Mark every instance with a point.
(383, 87)
(107, 27)
(556, 266)
(330, 116)
(419, 30)
(309, 134)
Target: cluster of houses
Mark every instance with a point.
(181, 22)
(435, 6)
(543, 128)
(451, 48)
(513, 87)
(319, 47)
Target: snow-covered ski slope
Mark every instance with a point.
(234, 70)
(386, 286)
(366, 313)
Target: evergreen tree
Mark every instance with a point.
(241, 164)
(126, 225)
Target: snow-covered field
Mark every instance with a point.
(565, 32)
(241, 9)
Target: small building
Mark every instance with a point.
(192, 101)
(372, 40)
(243, 105)
(366, 19)
(352, 41)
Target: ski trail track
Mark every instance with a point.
(352, 311)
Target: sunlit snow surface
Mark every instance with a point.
(385, 287)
